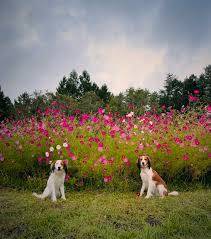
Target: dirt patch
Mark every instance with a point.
(152, 221)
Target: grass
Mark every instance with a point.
(105, 215)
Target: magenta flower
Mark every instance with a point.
(178, 140)
(196, 142)
(95, 120)
(196, 91)
(107, 179)
(71, 117)
(115, 128)
(193, 98)
(101, 111)
(103, 160)
(72, 156)
(140, 146)
(209, 108)
(185, 157)
(188, 137)
(100, 147)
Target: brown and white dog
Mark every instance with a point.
(55, 184)
(151, 181)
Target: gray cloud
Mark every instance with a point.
(121, 43)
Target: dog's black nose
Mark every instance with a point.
(143, 163)
(59, 168)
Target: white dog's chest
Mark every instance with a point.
(146, 177)
(55, 181)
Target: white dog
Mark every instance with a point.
(151, 181)
(55, 184)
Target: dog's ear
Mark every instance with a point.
(138, 163)
(149, 161)
(65, 162)
(52, 166)
(65, 168)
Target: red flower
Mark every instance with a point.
(196, 142)
(196, 91)
(193, 98)
(107, 179)
(185, 157)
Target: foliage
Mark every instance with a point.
(178, 94)
(77, 86)
(6, 107)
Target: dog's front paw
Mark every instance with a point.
(148, 196)
(63, 198)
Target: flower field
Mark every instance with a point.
(101, 149)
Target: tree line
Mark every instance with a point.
(79, 93)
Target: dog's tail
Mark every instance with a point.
(174, 193)
(37, 195)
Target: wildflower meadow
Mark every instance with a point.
(101, 148)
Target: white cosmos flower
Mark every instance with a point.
(58, 147)
(46, 154)
(65, 145)
(51, 149)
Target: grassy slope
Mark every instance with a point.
(105, 215)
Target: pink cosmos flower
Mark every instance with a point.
(185, 157)
(72, 156)
(106, 117)
(130, 115)
(123, 135)
(188, 137)
(196, 142)
(209, 108)
(115, 128)
(196, 91)
(101, 111)
(95, 120)
(71, 117)
(140, 146)
(107, 179)
(100, 148)
(178, 140)
(125, 159)
(103, 160)
(192, 98)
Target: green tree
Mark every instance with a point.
(6, 106)
(23, 105)
(118, 104)
(77, 87)
(172, 95)
(69, 85)
(85, 84)
(89, 102)
(205, 81)
(104, 93)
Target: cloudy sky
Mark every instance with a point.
(123, 43)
